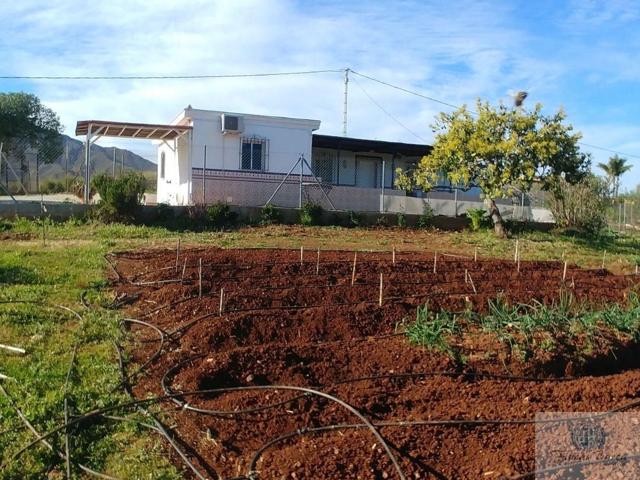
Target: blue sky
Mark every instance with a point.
(583, 56)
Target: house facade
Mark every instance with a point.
(250, 160)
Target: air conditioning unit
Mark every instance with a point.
(231, 123)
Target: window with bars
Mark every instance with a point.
(253, 154)
(323, 164)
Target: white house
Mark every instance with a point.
(245, 159)
(207, 156)
(222, 142)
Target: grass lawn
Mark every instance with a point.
(58, 271)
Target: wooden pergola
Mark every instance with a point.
(95, 129)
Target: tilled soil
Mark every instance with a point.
(267, 321)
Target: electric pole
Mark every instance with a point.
(346, 97)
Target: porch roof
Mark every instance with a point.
(375, 146)
(149, 131)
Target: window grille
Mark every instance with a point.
(254, 153)
(324, 165)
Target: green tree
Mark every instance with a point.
(615, 168)
(501, 150)
(26, 122)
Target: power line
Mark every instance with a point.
(274, 74)
(412, 92)
(388, 113)
(162, 77)
(406, 90)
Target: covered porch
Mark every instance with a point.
(93, 130)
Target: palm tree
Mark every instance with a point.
(615, 168)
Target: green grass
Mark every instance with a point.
(57, 274)
(70, 260)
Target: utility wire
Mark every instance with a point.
(161, 77)
(406, 90)
(273, 74)
(426, 97)
(392, 117)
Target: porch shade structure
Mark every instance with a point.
(95, 129)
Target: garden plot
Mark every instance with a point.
(317, 364)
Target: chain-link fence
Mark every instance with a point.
(58, 168)
(624, 214)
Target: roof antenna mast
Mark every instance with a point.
(346, 98)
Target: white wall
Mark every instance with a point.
(287, 140)
(174, 188)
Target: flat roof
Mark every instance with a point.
(150, 131)
(365, 145)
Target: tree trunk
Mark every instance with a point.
(496, 218)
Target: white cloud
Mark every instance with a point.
(455, 51)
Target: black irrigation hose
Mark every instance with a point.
(161, 338)
(47, 444)
(158, 427)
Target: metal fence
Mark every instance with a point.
(253, 189)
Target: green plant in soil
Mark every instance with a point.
(527, 328)
(477, 217)
(311, 214)
(433, 329)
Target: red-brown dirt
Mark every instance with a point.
(291, 324)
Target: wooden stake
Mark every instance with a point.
(564, 272)
(518, 262)
(221, 309)
(393, 255)
(177, 253)
(466, 276)
(636, 269)
(199, 277)
(380, 299)
(353, 271)
(475, 254)
(318, 262)
(301, 255)
(184, 269)
(473, 285)
(515, 256)
(604, 254)
(435, 262)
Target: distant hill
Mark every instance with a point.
(101, 161)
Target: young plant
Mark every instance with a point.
(426, 219)
(270, 215)
(433, 329)
(220, 215)
(311, 214)
(476, 216)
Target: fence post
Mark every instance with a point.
(455, 202)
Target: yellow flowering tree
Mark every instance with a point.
(502, 150)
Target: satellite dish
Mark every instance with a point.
(518, 98)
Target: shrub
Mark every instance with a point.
(581, 206)
(311, 214)
(51, 186)
(477, 216)
(119, 197)
(163, 213)
(426, 219)
(220, 215)
(354, 219)
(269, 215)
(401, 220)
